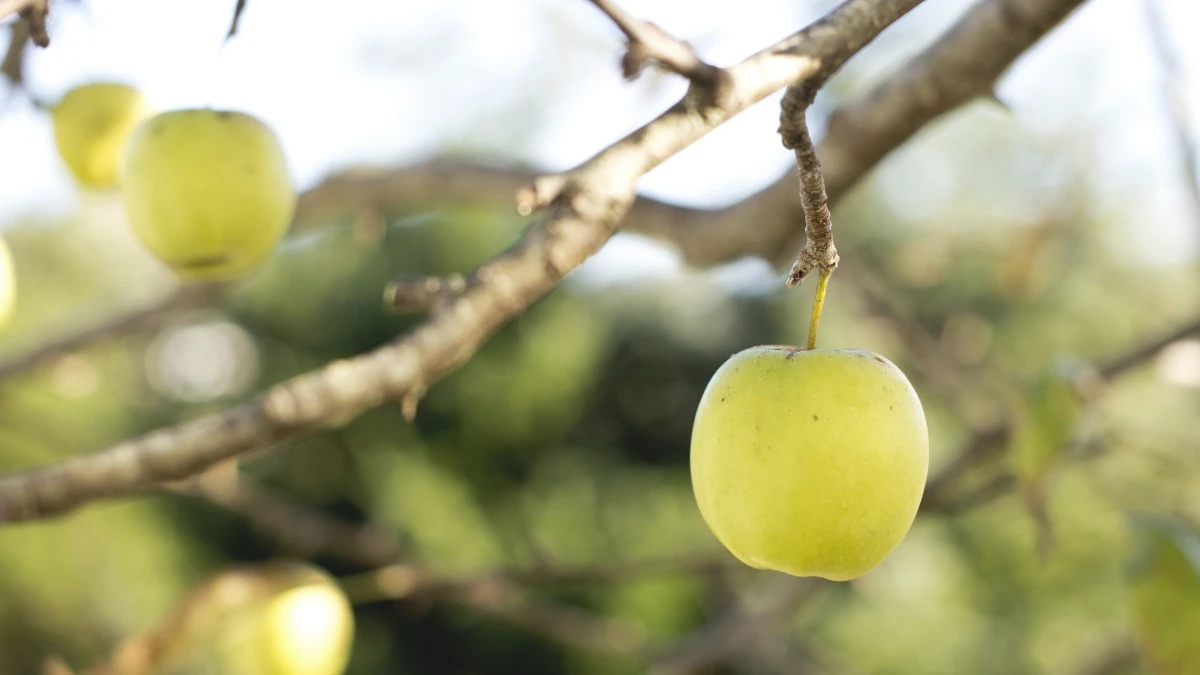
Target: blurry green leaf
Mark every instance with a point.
(434, 508)
(1165, 592)
(1045, 424)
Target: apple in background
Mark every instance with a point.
(208, 192)
(92, 125)
(809, 462)
(278, 618)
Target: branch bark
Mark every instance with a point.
(819, 252)
(585, 207)
(33, 13)
(647, 42)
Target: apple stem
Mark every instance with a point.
(818, 303)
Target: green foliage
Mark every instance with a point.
(1165, 594)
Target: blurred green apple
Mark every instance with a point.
(809, 462)
(92, 126)
(274, 619)
(208, 191)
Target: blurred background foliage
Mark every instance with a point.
(564, 441)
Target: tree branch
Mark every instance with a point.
(737, 631)
(188, 296)
(13, 65)
(33, 13)
(819, 252)
(303, 532)
(237, 17)
(585, 206)
(648, 42)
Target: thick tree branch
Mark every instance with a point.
(423, 293)
(584, 206)
(647, 42)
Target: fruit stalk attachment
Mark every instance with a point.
(819, 252)
(818, 304)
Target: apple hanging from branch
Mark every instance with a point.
(208, 191)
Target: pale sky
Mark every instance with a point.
(385, 82)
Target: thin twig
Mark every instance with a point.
(585, 206)
(402, 580)
(1146, 350)
(558, 622)
(302, 532)
(189, 296)
(729, 635)
(1174, 93)
(819, 252)
(237, 17)
(647, 42)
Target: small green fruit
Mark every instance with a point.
(92, 125)
(809, 462)
(275, 619)
(208, 192)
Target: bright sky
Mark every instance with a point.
(385, 82)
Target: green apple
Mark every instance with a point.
(8, 285)
(274, 619)
(92, 125)
(207, 191)
(810, 462)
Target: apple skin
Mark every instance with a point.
(809, 462)
(279, 618)
(92, 125)
(8, 285)
(208, 191)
